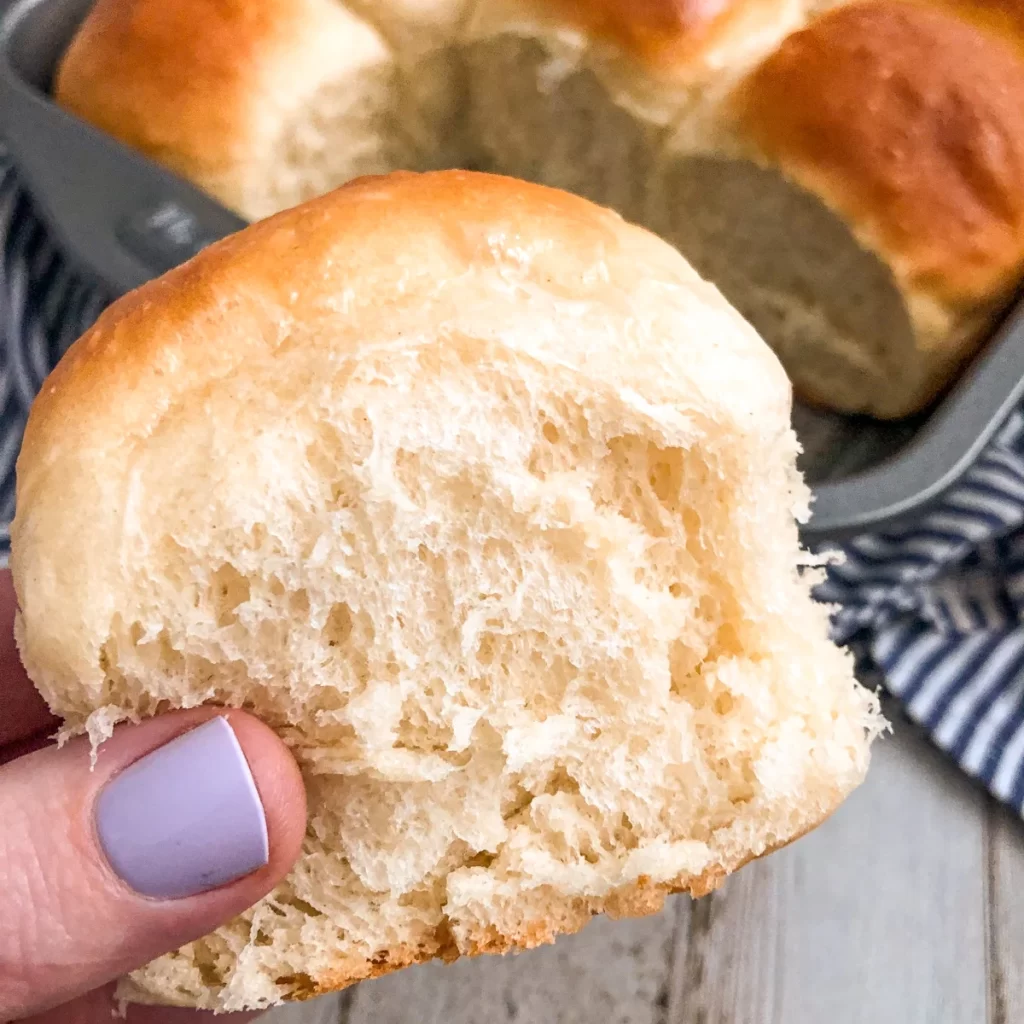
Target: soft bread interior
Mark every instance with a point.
(512, 628)
(498, 533)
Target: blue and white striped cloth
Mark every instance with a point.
(934, 611)
(44, 306)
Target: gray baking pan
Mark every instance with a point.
(120, 217)
(124, 220)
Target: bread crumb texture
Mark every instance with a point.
(485, 502)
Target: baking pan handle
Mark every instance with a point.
(115, 213)
(900, 489)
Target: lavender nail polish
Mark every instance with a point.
(186, 818)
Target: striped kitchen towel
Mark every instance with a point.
(44, 306)
(933, 611)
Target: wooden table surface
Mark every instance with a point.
(907, 907)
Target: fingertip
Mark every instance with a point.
(184, 821)
(281, 790)
(102, 1004)
(23, 712)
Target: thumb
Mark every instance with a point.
(187, 819)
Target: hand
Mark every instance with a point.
(103, 870)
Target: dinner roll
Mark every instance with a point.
(910, 124)
(484, 501)
(848, 173)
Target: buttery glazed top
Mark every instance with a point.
(661, 32)
(910, 122)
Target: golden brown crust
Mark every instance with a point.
(665, 34)
(128, 72)
(1003, 18)
(910, 123)
(641, 899)
(467, 217)
(117, 66)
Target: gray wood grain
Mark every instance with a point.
(325, 1010)
(877, 917)
(1006, 895)
(614, 972)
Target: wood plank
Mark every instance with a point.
(1006, 948)
(877, 917)
(610, 972)
(325, 1010)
